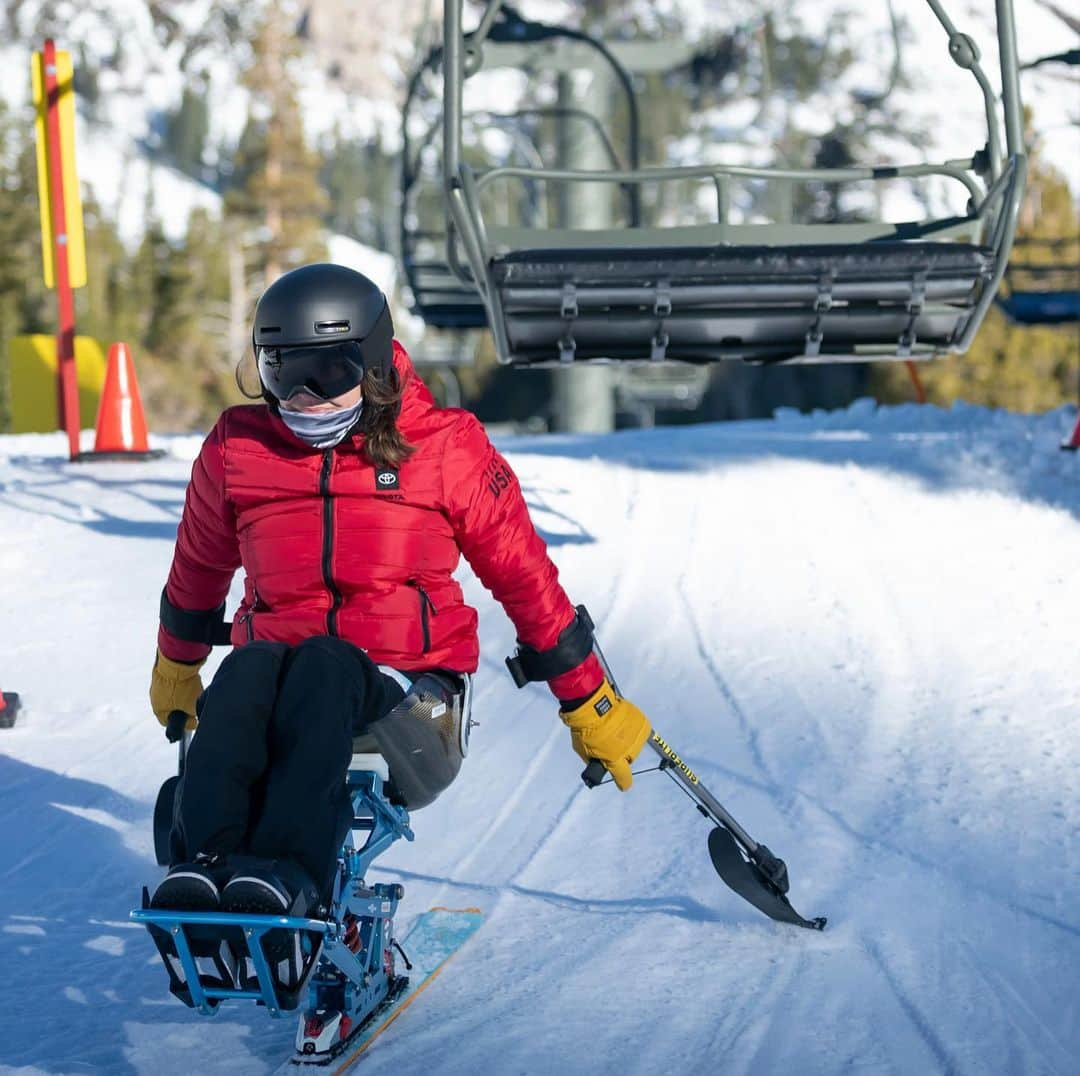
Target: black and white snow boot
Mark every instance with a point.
(269, 887)
(277, 887)
(192, 887)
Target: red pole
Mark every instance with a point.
(920, 392)
(67, 381)
(1073, 442)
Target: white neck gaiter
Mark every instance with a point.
(322, 429)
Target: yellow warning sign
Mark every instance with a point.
(73, 215)
(33, 381)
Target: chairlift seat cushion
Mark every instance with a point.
(716, 264)
(756, 303)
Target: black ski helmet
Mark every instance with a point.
(326, 304)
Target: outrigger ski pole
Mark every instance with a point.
(747, 867)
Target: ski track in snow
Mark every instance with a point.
(853, 626)
(1014, 1010)
(750, 733)
(940, 1060)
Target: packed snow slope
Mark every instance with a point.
(858, 628)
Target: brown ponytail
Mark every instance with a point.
(384, 443)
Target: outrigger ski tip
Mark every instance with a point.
(752, 883)
(747, 867)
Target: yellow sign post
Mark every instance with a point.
(73, 214)
(63, 245)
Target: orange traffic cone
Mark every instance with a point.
(9, 707)
(121, 425)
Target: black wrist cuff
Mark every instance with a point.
(574, 646)
(195, 626)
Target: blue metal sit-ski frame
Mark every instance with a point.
(367, 979)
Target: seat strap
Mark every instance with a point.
(661, 311)
(914, 308)
(568, 312)
(822, 305)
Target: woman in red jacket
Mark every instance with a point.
(347, 498)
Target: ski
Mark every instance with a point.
(434, 939)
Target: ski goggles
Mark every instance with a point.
(323, 370)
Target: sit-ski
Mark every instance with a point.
(345, 963)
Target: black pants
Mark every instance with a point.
(266, 772)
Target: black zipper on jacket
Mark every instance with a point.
(328, 541)
(248, 619)
(425, 604)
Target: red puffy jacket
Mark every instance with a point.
(331, 546)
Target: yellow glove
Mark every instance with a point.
(610, 729)
(175, 685)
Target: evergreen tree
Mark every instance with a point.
(172, 320)
(136, 307)
(25, 303)
(205, 253)
(186, 131)
(360, 180)
(85, 80)
(275, 195)
(183, 334)
(342, 176)
(106, 308)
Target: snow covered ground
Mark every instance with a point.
(858, 628)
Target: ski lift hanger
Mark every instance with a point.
(774, 292)
(444, 296)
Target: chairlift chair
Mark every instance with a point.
(781, 291)
(1044, 291)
